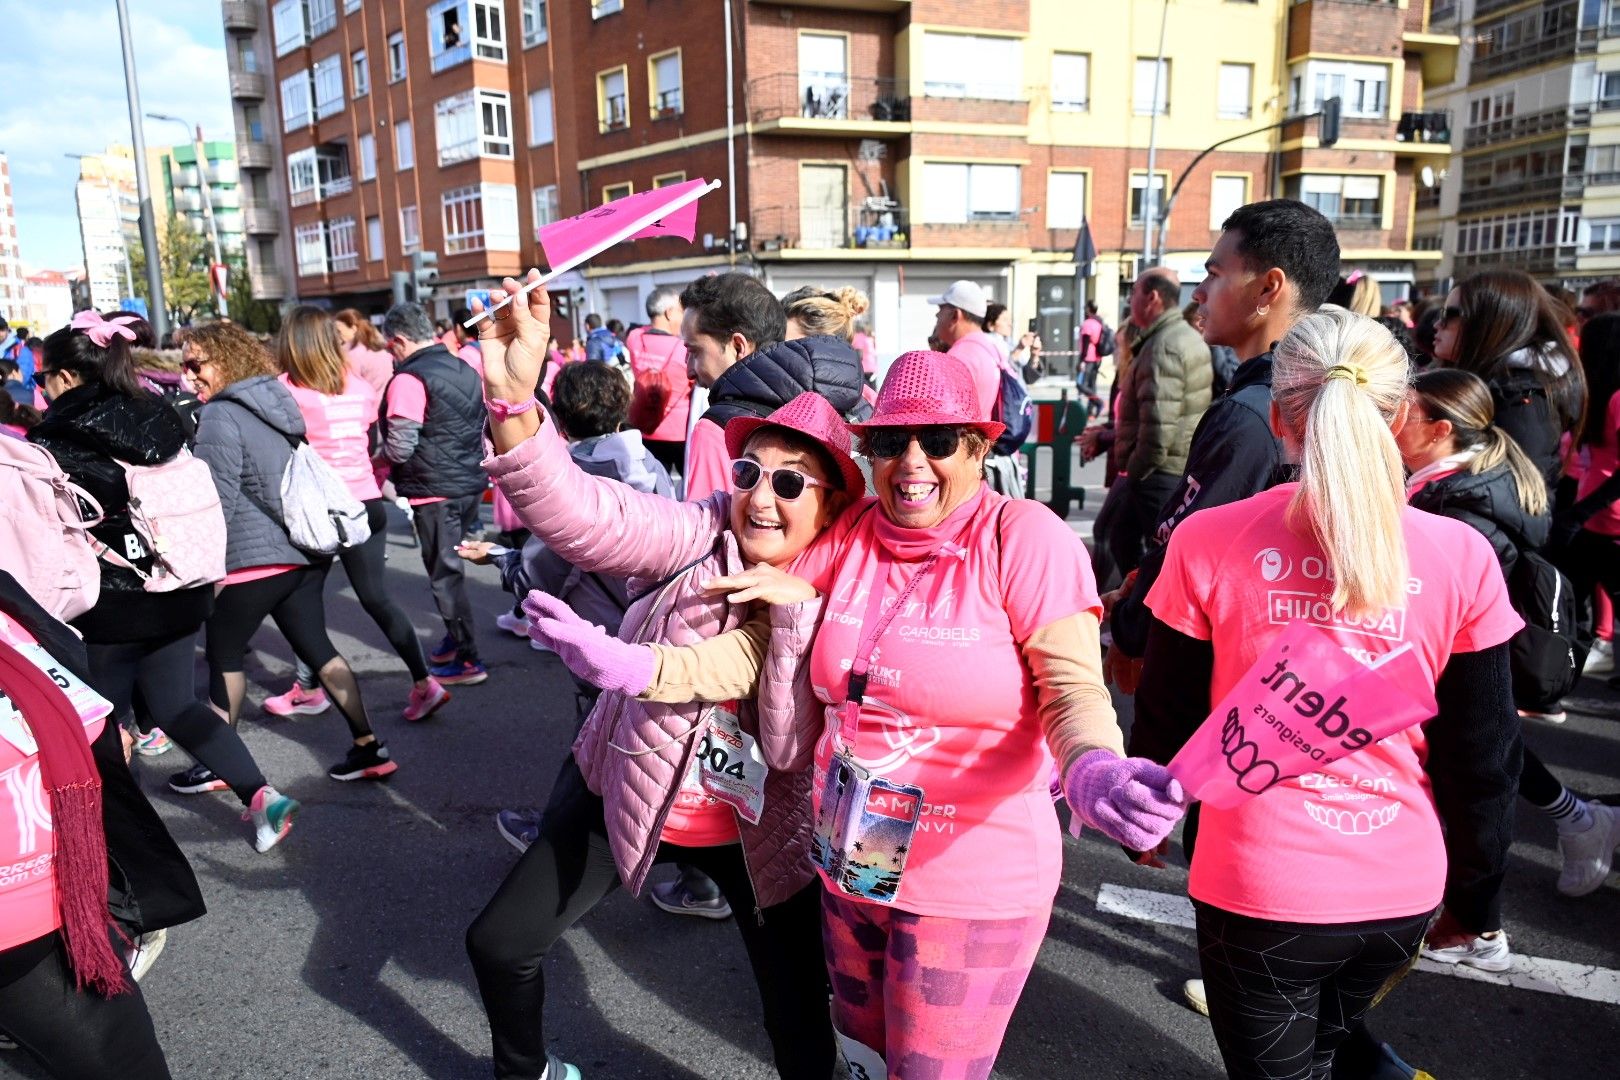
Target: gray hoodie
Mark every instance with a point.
(243, 433)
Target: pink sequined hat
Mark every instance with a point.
(808, 414)
(924, 388)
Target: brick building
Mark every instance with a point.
(891, 144)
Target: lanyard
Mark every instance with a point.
(863, 654)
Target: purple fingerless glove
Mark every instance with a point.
(589, 651)
(1132, 800)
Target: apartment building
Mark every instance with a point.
(892, 144)
(185, 185)
(13, 287)
(48, 301)
(109, 223)
(1536, 184)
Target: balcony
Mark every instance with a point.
(1546, 122)
(1356, 220)
(1544, 259)
(882, 7)
(1556, 47)
(254, 155)
(247, 86)
(1495, 193)
(876, 225)
(833, 104)
(241, 16)
(261, 219)
(1485, 7)
(1444, 12)
(267, 283)
(1427, 132)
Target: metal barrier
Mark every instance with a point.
(1057, 425)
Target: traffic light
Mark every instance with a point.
(402, 286)
(1328, 134)
(424, 273)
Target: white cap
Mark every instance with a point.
(966, 295)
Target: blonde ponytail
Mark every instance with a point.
(818, 311)
(1338, 380)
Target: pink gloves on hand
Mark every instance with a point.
(589, 651)
(1133, 800)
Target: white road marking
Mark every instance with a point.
(1528, 972)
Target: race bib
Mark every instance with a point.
(730, 765)
(862, 1062)
(90, 705)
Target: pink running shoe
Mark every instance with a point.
(298, 702)
(425, 700)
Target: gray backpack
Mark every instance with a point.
(319, 512)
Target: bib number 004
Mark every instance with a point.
(719, 759)
(730, 766)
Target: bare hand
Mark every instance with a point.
(476, 551)
(1125, 672)
(128, 741)
(763, 582)
(514, 339)
(1154, 858)
(1109, 599)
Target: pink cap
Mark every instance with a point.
(925, 388)
(808, 414)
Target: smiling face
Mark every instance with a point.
(1448, 331)
(773, 530)
(918, 492)
(207, 380)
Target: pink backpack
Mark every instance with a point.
(43, 539)
(175, 509)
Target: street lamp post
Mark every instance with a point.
(207, 202)
(159, 313)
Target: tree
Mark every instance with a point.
(260, 316)
(183, 262)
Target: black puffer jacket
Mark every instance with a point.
(89, 430)
(764, 381)
(1488, 501)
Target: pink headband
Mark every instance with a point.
(101, 330)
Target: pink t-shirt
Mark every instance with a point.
(983, 359)
(950, 706)
(472, 356)
(373, 365)
(407, 399)
(1360, 840)
(1602, 460)
(336, 425)
(708, 469)
(1090, 335)
(863, 344)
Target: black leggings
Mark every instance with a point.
(1282, 999)
(162, 671)
(294, 600)
(77, 1034)
(1592, 562)
(367, 571)
(570, 869)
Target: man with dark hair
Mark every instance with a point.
(1161, 398)
(600, 344)
(1598, 298)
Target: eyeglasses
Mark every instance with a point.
(41, 374)
(937, 441)
(1449, 315)
(191, 366)
(787, 484)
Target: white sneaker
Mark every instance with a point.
(1554, 715)
(1588, 856)
(144, 953)
(516, 625)
(1193, 991)
(1600, 661)
(1486, 954)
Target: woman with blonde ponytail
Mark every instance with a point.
(813, 311)
(1310, 895)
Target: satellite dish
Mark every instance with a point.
(1427, 176)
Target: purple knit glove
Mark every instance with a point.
(1133, 800)
(589, 651)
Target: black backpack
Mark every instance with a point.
(1106, 343)
(1547, 656)
(1016, 410)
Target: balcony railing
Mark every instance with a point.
(1567, 43)
(1546, 122)
(827, 96)
(615, 113)
(1543, 259)
(342, 263)
(875, 223)
(261, 219)
(254, 155)
(667, 105)
(267, 283)
(1485, 7)
(1493, 192)
(1430, 126)
(247, 85)
(240, 16)
(1356, 220)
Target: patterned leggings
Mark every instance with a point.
(933, 995)
(1282, 1000)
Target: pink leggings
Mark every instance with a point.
(932, 994)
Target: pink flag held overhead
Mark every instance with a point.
(564, 241)
(1304, 704)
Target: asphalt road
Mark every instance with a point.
(339, 954)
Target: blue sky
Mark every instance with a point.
(64, 94)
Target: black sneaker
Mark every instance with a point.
(368, 762)
(196, 780)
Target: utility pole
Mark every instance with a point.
(1150, 202)
(731, 145)
(207, 204)
(158, 310)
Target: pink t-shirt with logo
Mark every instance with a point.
(983, 359)
(708, 466)
(1602, 460)
(1360, 840)
(336, 425)
(950, 706)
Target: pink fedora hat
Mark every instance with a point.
(808, 414)
(924, 388)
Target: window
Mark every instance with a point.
(463, 220)
(617, 191)
(1603, 164)
(351, 6)
(322, 16)
(534, 22)
(1363, 89)
(374, 239)
(1152, 91)
(1065, 200)
(1609, 90)
(367, 146)
(1344, 200)
(404, 148)
(301, 184)
(1071, 82)
(360, 73)
(824, 76)
(489, 29)
(500, 217)
(410, 230)
(1236, 92)
(458, 30)
(1226, 194)
(1139, 187)
(332, 171)
(295, 101)
(246, 58)
(495, 114)
(1603, 235)
(612, 100)
(1491, 108)
(288, 16)
(478, 122)
(969, 66)
(341, 252)
(669, 179)
(960, 193)
(309, 244)
(600, 8)
(664, 81)
(328, 76)
(545, 207)
(396, 56)
(253, 117)
(542, 128)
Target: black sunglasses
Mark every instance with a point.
(788, 484)
(937, 441)
(1449, 315)
(192, 366)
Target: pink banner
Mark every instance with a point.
(1304, 704)
(566, 241)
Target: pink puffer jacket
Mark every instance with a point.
(633, 753)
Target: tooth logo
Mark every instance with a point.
(1273, 564)
(1352, 822)
(1254, 773)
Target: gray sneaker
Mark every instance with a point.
(675, 898)
(520, 827)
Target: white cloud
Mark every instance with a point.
(64, 77)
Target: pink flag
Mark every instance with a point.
(673, 210)
(1304, 704)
